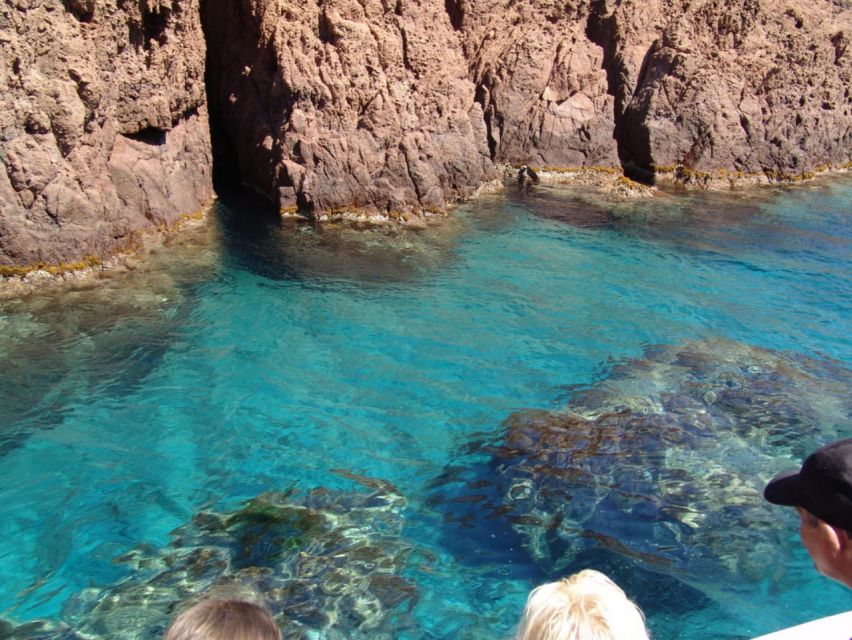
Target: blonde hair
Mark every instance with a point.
(224, 620)
(585, 606)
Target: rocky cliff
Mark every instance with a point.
(750, 86)
(395, 106)
(103, 124)
(330, 104)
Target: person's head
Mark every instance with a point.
(585, 606)
(821, 492)
(224, 620)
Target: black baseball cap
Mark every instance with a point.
(823, 485)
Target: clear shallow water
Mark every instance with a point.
(259, 356)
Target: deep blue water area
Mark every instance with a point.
(254, 354)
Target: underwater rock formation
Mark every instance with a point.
(326, 564)
(664, 461)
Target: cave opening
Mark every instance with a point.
(226, 167)
(632, 143)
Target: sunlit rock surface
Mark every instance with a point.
(326, 564)
(663, 461)
(393, 109)
(387, 106)
(365, 105)
(103, 125)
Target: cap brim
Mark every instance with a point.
(783, 489)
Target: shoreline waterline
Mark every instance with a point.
(609, 182)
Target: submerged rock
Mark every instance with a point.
(122, 322)
(326, 564)
(664, 461)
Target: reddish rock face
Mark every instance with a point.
(758, 86)
(346, 103)
(103, 124)
(542, 81)
(392, 106)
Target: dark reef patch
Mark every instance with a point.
(656, 469)
(325, 563)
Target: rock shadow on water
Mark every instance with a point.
(659, 468)
(564, 206)
(325, 563)
(729, 224)
(259, 240)
(476, 526)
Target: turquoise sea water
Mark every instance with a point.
(256, 355)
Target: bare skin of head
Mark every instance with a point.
(830, 548)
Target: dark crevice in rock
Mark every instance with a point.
(840, 43)
(406, 60)
(325, 30)
(304, 202)
(189, 113)
(633, 154)
(455, 10)
(226, 169)
(412, 175)
(135, 35)
(634, 138)
(150, 26)
(481, 96)
(149, 135)
(248, 103)
(154, 25)
(83, 10)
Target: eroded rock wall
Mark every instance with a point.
(754, 86)
(391, 105)
(750, 86)
(394, 106)
(346, 103)
(103, 124)
(541, 80)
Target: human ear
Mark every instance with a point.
(843, 540)
(836, 541)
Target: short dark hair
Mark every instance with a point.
(810, 518)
